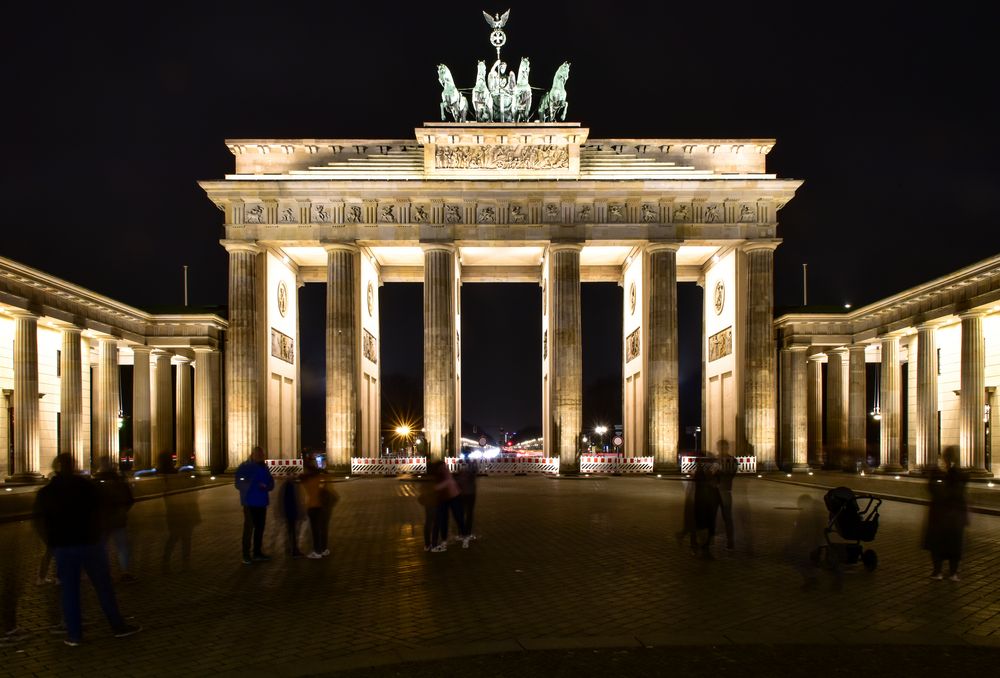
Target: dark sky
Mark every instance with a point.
(113, 112)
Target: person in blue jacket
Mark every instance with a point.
(254, 481)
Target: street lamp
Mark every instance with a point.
(403, 431)
(601, 430)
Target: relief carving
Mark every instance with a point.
(681, 213)
(584, 213)
(386, 214)
(616, 213)
(632, 345)
(452, 214)
(255, 215)
(287, 216)
(517, 215)
(282, 346)
(551, 211)
(369, 347)
(720, 344)
(419, 213)
(353, 214)
(535, 157)
(545, 344)
(711, 214)
(746, 214)
(648, 214)
(320, 214)
(487, 215)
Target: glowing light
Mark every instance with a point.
(659, 476)
(810, 473)
(600, 430)
(862, 473)
(211, 478)
(759, 475)
(7, 489)
(788, 475)
(989, 484)
(192, 475)
(347, 477)
(896, 477)
(847, 305)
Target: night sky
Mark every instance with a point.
(113, 113)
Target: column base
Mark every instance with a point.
(889, 468)
(667, 468)
(26, 478)
(203, 471)
(767, 466)
(339, 469)
(800, 468)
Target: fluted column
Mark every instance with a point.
(662, 403)
(27, 435)
(814, 406)
(785, 406)
(836, 401)
(566, 364)
(242, 352)
(106, 401)
(857, 415)
(798, 406)
(71, 395)
(341, 354)
(207, 423)
(890, 403)
(142, 442)
(972, 398)
(184, 419)
(927, 398)
(439, 349)
(758, 354)
(163, 416)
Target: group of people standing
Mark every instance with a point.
(442, 495)
(710, 494)
(306, 497)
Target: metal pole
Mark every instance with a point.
(805, 285)
(185, 286)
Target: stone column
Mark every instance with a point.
(857, 414)
(814, 406)
(207, 423)
(836, 401)
(798, 410)
(758, 354)
(163, 429)
(142, 442)
(242, 352)
(71, 395)
(439, 349)
(972, 398)
(890, 403)
(566, 364)
(27, 434)
(927, 398)
(342, 343)
(661, 328)
(184, 419)
(785, 404)
(106, 405)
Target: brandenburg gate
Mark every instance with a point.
(500, 199)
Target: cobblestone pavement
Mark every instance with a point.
(562, 564)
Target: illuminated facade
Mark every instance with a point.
(61, 347)
(937, 347)
(484, 202)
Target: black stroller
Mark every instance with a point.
(853, 525)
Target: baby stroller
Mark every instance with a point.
(853, 525)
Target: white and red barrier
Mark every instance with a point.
(387, 466)
(509, 464)
(689, 464)
(284, 467)
(605, 464)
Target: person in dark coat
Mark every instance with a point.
(707, 502)
(466, 479)
(947, 515)
(68, 513)
(181, 510)
(116, 501)
(289, 511)
(254, 482)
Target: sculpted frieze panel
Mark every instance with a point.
(287, 215)
(516, 157)
(650, 213)
(584, 213)
(682, 212)
(353, 214)
(387, 213)
(616, 213)
(632, 345)
(486, 214)
(254, 215)
(747, 214)
(720, 344)
(518, 214)
(419, 213)
(320, 214)
(369, 347)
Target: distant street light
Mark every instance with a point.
(601, 430)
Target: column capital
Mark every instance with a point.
(161, 353)
(241, 246)
(23, 313)
(855, 348)
(817, 357)
(141, 348)
(840, 350)
(438, 246)
(754, 245)
(968, 315)
(565, 247)
(661, 246)
(797, 348)
(341, 247)
(181, 359)
(204, 349)
(888, 339)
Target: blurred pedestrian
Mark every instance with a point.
(726, 476)
(428, 498)
(806, 542)
(68, 511)
(290, 513)
(116, 501)
(45, 564)
(947, 515)
(447, 490)
(320, 498)
(180, 501)
(254, 482)
(466, 480)
(706, 505)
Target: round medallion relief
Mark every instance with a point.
(282, 298)
(631, 298)
(719, 297)
(371, 299)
